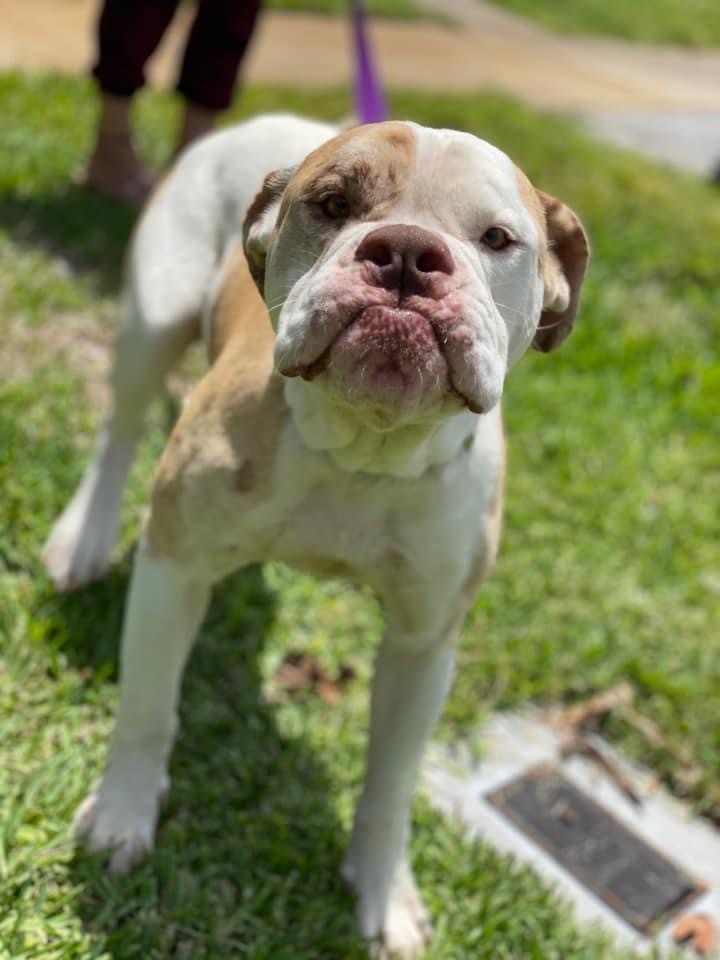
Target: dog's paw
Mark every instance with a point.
(78, 550)
(405, 929)
(120, 822)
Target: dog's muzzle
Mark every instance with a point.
(397, 336)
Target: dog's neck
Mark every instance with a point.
(358, 441)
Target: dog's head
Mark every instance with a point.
(406, 269)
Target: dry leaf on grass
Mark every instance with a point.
(301, 673)
(698, 930)
(686, 779)
(621, 695)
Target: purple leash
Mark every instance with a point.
(370, 106)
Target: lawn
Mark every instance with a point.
(608, 571)
(693, 23)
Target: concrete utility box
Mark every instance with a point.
(632, 867)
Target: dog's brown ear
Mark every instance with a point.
(260, 222)
(563, 271)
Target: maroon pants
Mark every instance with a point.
(130, 30)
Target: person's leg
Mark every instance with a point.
(196, 122)
(217, 43)
(129, 31)
(114, 167)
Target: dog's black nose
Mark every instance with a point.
(407, 258)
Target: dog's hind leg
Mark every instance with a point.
(159, 318)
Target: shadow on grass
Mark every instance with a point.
(75, 223)
(249, 848)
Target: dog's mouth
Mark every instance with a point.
(389, 354)
(386, 354)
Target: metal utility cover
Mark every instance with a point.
(632, 878)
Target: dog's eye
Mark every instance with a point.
(496, 238)
(336, 207)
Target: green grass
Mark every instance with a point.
(608, 571)
(693, 23)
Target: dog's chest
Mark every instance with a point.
(326, 531)
(332, 522)
(308, 512)
(315, 516)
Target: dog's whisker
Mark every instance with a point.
(507, 306)
(550, 326)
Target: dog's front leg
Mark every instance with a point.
(163, 612)
(412, 679)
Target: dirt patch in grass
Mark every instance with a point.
(75, 341)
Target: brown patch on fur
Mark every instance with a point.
(239, 310)
(569, 248)
(227, 436)
(564, 255)
(369, 164)
(272, 188)
(273, 185)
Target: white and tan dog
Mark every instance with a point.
(404, 270)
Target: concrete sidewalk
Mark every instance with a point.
(663, 100)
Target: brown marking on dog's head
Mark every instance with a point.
(260, 221)
(564, 255)
(368, 165)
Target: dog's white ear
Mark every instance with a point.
(563, 271)
(260, 222)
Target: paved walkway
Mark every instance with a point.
(663, 100)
